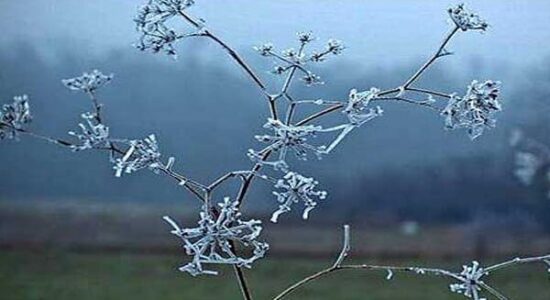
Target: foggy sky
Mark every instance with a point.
(375, 31)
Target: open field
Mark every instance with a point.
(60, 276)
(99, 227)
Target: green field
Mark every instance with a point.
(61, 276)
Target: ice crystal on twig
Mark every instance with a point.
(296, 188)
(257, 157)
(265, 49)
(140, 154)
(88, 82)
(466, 19)
(295, 60)
(291, 137)
(470, 278)
(475, 110)
(357, 109)
(14, 117)
(214, 239)
(310, 79)
(305, 37)
(151, 22)
(93, 134)
(335, 47)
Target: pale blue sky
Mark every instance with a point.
(375, 31)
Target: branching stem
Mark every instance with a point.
(339, 266)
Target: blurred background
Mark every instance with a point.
(412, 192)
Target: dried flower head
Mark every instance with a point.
(14, 117)
(335, 47)
(265, 49)
(296, 59)
(140, 154)
(310, 79)
(213, 240)
(305, 37)
(475, 110)
(88, 82)
(93, 134)
(291, 137)
(466, 19)
(296, 188)
(151, 22)
(357, 109)
(470, 278)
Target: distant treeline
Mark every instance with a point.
(403, 166)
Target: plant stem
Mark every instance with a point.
(338, 266)
(237, 58)
(433, 58)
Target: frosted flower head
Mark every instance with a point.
(292, 55)
(290, 137)
(265, 49)
(140, 154)
(466, 19)
(151, 21)
(278, 70)
(88, 82)
(470, 278)
(296, 188)
(93, 134)
(297, 59)
(475, 110)
(310, 79)
(335, 47)
(14, 116)
(214, 239)
(357, 109)
(305, 37)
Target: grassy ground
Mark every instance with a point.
(72, 276)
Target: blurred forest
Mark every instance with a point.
(412, 192)
(403, 166)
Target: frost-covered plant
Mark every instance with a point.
(88, 82)
(470, 282)
(466, 19)
(221, 232)
(140, 154)
(93, 134)
(14, 117)
(470, 278)
(296, 188)
(292, 60)
(358, 110)
(288, 137)
(475, 110)
(213, 240)
(152, 22)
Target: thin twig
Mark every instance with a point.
(226, 47)
(433, 58)
(338, 266)
(517, 261)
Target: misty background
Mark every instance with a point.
(204, 112)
